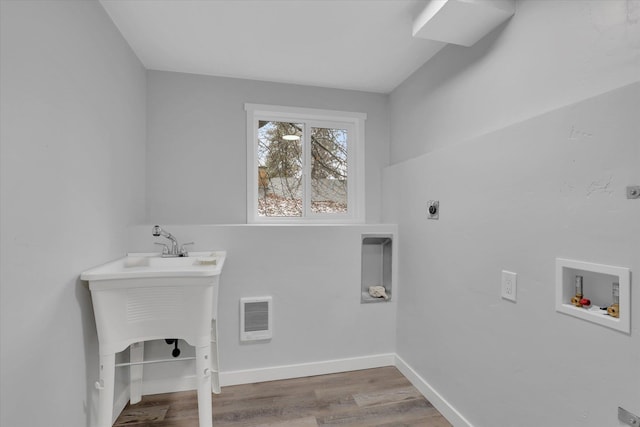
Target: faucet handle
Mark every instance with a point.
(183, 251)
(165, 249)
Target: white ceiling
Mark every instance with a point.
(348, 44)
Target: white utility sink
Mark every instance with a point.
(144, 296)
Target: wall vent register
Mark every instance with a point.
(255, 319)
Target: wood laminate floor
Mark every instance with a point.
(380, 397)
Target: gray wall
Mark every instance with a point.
(550, 54)
(196, 174)
(197, 148)
(528, 140)
(73, 178)
(313, 274)
(72, 174)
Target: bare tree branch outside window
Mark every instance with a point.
(280, 169)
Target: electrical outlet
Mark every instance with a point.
(509, 285)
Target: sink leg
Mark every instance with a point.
(215, 366)
(105, 385)
(136, 355)
(203, 378)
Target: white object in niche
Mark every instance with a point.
(255, 319)
(598, 282)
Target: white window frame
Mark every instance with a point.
(352, 121)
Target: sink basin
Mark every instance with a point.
(139, 265)
(142, 297)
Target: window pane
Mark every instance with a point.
(328, 170)
(280, 169)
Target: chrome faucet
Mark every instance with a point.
(175, 250)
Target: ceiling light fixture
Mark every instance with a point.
(291, 138)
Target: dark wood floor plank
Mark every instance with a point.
(136, 416)
(376, 415)
(379, 397)
(392, 395)
(297, 422)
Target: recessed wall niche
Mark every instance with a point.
(598, 282)
(377, 260)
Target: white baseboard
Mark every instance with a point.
(273, 373)
(445, 408)
(306, 369)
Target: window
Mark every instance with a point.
(304, 165)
